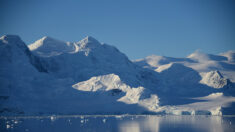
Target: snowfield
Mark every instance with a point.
(88, 77)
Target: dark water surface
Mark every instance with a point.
(123, 123)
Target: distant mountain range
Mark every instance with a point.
(88, 77)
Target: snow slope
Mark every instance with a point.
(197, 76)
(88, 77)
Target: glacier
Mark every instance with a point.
(51, 76)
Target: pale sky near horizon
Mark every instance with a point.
(137, 28)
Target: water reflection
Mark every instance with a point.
(119, 124)
(179, 123)
(149, 124)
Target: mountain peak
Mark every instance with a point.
(230, 55)
(47, 46)
(45, 38)
(45, 41)
(88, 42)
(216, 73)
(203, 57)
(197, 54)
(11, 38)
(214, 79)
(89, 39)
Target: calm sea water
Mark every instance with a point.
(127, 123)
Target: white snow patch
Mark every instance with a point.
(111, 82)
(163, 67)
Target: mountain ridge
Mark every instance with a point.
(79, 77)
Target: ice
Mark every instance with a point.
(53, 118)
(16, 122)
(104, 120)
(82, 121)
(8, 126)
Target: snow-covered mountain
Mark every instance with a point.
(88, 77)
(87, 58)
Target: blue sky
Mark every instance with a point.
(137, 28)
